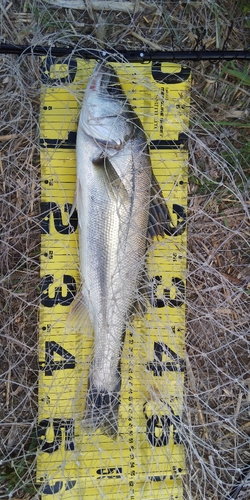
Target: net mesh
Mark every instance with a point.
(215, 423)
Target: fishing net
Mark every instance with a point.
(208, 451)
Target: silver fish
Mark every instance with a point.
(114, 178)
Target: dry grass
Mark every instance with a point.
(216, 426)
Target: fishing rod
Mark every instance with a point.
(127, 55)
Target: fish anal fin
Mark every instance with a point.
(78, 318)
(77, 197)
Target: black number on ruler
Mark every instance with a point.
(49, 62)
(169, 78)
(58, 298)
(55, 426)
(48, 489)
(169, 228)
(109, 473)
(157, 366)
(158, 428)
(177, 301)
(176, 429)
(180, 227)
(50, 365)
(51, 207)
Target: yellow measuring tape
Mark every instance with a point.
(147, 459)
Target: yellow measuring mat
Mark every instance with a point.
(147, 460)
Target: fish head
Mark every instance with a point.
(105, 114)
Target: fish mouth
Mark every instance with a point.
(97, 76)
(105, 80)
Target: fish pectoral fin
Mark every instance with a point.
(160, 222)
(99, 161)
(104, 162)
(112, 172)
(78, 317)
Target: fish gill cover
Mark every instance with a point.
(183, 425)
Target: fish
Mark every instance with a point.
(115, 188)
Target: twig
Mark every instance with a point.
(18, 342)
(214, 477)
(2, 173)
(8, 389)
(8, 137)
(153, 45)
(18, 424)
(191, 376)
(90, 9)
(233, 431)
(129, 7)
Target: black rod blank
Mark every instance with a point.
(127, 55)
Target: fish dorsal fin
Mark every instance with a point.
(159, 215)
(160, 222)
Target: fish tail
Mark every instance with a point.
(102, 410)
